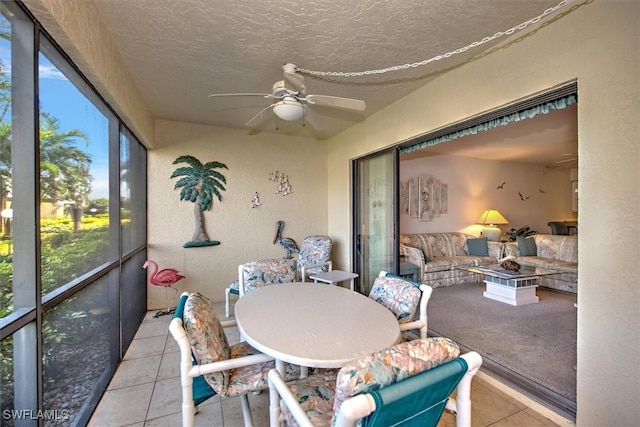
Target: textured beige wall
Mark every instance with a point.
(597, 43)
(245, 233)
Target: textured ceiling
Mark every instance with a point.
(181, 51)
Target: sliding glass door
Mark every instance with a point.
(375, 182)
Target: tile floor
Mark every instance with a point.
(145, 391)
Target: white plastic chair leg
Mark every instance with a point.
(227, 295)
(246, 411)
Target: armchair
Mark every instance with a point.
(404, 298)
(410, 382)
(314, 257)
(209, 365)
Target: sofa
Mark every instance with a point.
(551, 251)
(439, 256)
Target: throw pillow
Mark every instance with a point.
(527, 246)
(478, 247)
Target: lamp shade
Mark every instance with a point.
(491, 217)
(289, 109)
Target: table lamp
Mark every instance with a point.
(489, 219)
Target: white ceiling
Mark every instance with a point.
(181, 51)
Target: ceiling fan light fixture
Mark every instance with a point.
(289, 110)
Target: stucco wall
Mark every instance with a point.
(245, 233)
(595, 42)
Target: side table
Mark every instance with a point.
(409, 269)
(333, 277)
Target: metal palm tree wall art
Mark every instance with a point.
(199, 183)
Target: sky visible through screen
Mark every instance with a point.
(62, 100)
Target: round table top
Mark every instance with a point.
(314, 324)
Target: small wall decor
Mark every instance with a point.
(255, 202)
(523, 198)
(501, 186)
(284, 187)
(199, 184)
(424, 197)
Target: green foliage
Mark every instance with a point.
(525, 231)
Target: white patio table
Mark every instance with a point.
(313, 325)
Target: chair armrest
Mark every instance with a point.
(225, 365)
(278, 389)
(303, 272)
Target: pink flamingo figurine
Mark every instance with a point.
(165, 278)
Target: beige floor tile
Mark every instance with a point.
(122, 407)
(152, 329)
(146, 347)
(527, 418)
(166, 398)
(259, 404)
(489, 405)
(136, 371)
(169, 366)
(171, 345)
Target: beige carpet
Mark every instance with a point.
(537, 341)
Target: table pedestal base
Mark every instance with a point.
(511, 295)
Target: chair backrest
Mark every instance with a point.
(256, 274)
(409, 381)
(201, 390)
(315, 250)
(558, 227)
(400, 296)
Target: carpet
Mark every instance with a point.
(537, 341)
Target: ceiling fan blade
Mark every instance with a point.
(264, 95)
(336, 102)
(261, 117)
(312, 118)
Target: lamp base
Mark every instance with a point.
(492, 233)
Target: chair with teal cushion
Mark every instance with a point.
(409, 384)
(209, 365)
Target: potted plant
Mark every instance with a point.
(524, 231)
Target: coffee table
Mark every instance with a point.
(510, 287)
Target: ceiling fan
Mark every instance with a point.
(293, 102)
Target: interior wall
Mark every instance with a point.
(246, 233)
(473, 187)
(595, 42)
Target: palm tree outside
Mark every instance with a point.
(199, 183)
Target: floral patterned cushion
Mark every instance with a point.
(391, 365)
(315, 250)
(206, 335)
(321, 395)
(315, 394)
(401, 297)
(265, 272)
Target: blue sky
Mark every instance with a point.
(60, 99)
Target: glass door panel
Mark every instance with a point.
(375, 207)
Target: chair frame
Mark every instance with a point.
(188, 371)
(422, 323)
(363, 405)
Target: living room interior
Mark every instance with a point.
(120, 51)
(535, 158)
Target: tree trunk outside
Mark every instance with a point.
(200, 234)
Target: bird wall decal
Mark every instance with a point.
(542, 191)
(287, 244)
(522, 197)
(165, 278)
(501, 186)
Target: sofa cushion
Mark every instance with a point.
(527, 246)
(561, 248)
(478, 247)
(437, 244)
